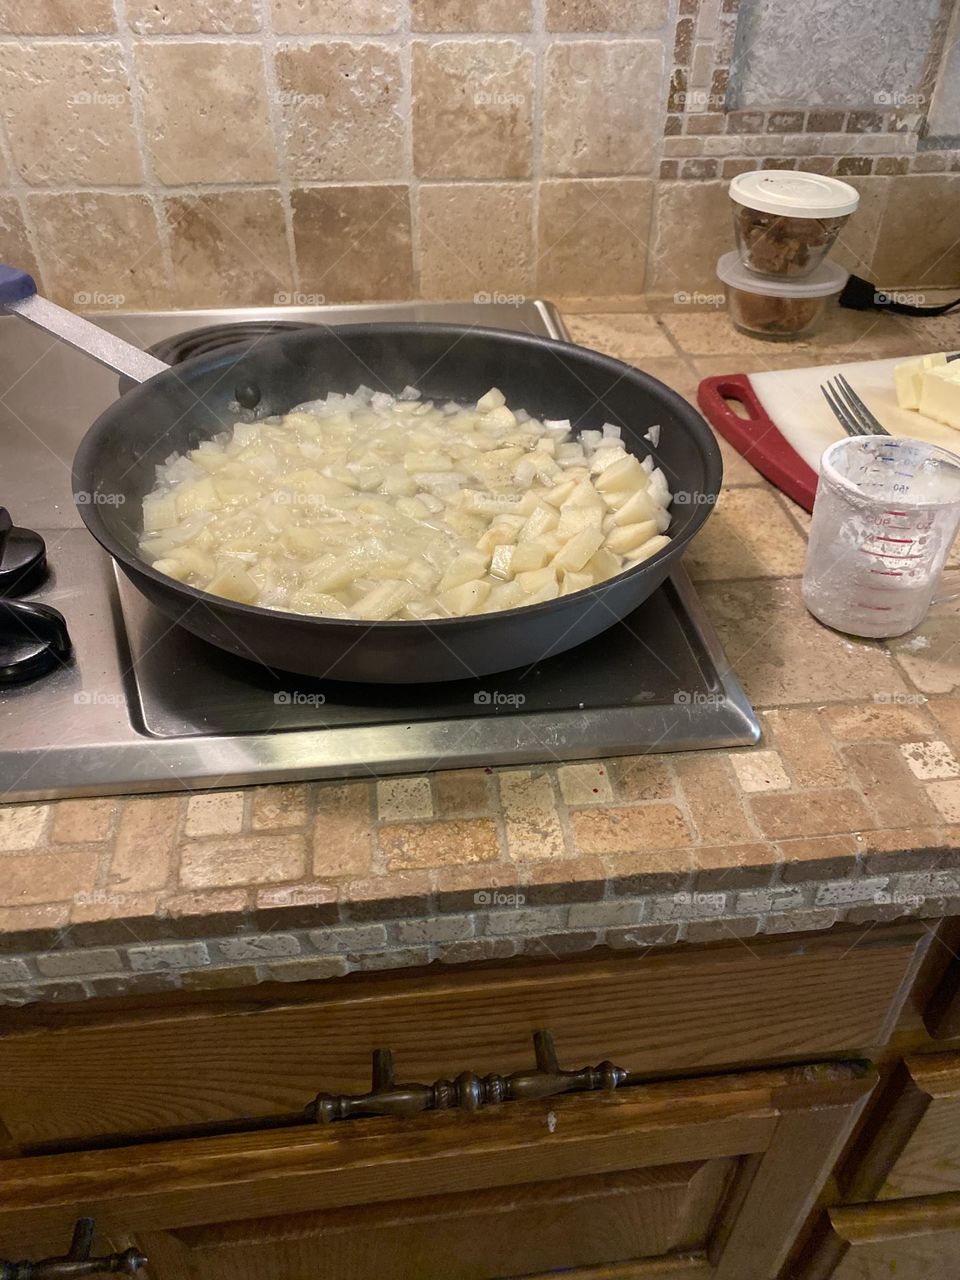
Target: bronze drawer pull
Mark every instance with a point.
(468, 1091)
(77, 1261)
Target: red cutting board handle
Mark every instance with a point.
(756, 436)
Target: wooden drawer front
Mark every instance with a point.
(720, 1172)
(135, 1073)
(578, 1222)
(912, 1146)
(912, 1240)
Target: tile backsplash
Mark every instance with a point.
(195, 152)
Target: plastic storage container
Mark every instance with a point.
(786, 223)
(779, 310)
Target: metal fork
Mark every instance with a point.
(849, 410)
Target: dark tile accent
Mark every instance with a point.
(678, 88)
(705, 122)
(732, 167)
(855, 165)
(700, 168)
(865, 122)
(825, 121)
(778, 162)
(785, 122)
(745, 122)
(673, 126)
(891, 165)
(683, 43)
(669, 169)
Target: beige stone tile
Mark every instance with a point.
(931, 654)
(809, 813)
(68, 113)
(713, 798)
(341, 109)
(467, 15)
(635, 339)
(472, 109)
(342, 831)
(403, 799)
(339, 17)
(890, 788)
(946, 797)
(601, 107)
(856, 244)
(146, 839)
(273, 808)
(354, 243)
(692, 227)
(930, 760)
(760, 771)
(462, 792)
(118, 255)
(879, 721)
(593, 236)
(749, 535)
(62, 18)
(532, 824)
(831, 857)
(22, 825)
(584, 783)
(409, 846)
(242, 860)
(205, 112)
(605, 15)
(475, 238)
(642, 778)
(15, 244)
(214, 813)
(229, 244)
(192, 17)
(80, 821)
(805, 747)
(947, 713)
(782, 655)
(633, 830)
(42, 877)
(734, 866)
(917, 242)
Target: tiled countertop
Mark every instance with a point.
(849, 809)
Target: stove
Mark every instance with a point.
(130, 703)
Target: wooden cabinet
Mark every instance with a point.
(905, 1240)
(706, 1177)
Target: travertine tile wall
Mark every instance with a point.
(192, 152)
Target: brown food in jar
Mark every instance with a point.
(778, 317)
(779, 246)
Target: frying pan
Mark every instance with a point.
(172, 410)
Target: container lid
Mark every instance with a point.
(828, 278)
(794, 194)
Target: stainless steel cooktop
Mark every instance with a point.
(145, 706)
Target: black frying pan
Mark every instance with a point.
(173, 410)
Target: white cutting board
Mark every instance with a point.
(794, 402)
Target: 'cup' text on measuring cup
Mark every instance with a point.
(885, 517)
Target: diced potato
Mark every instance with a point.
(199, 496)
(492, 400)
(416, 463)
(467, 566)
(502, 558)
(627, 537)
(465, 598)
(558, 495)
(575, 553)
(640, 506)
(542, 519)
(584, 495)
(172, 568)
(549, 591)
(536, 579)
(233, 582)
(234, 489)
(575, 582)
(499, 418)
(412, 508)
(648, 549)
(604, 565)
(529, 555)
(497, 535)
(307, 600)
(383, 600)
(159, 512)
(330, 573)
(573, 519)
(627, 474)
(504, 595)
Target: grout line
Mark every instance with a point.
(275, 112)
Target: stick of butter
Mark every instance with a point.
(909, 376)
(940, 394)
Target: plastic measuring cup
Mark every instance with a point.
(884, 519)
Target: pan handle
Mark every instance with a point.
(18, 295)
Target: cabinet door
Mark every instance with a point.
(907, 1240)
(710, 1177)
(911, 1144)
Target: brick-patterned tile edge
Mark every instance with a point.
(506, 926)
